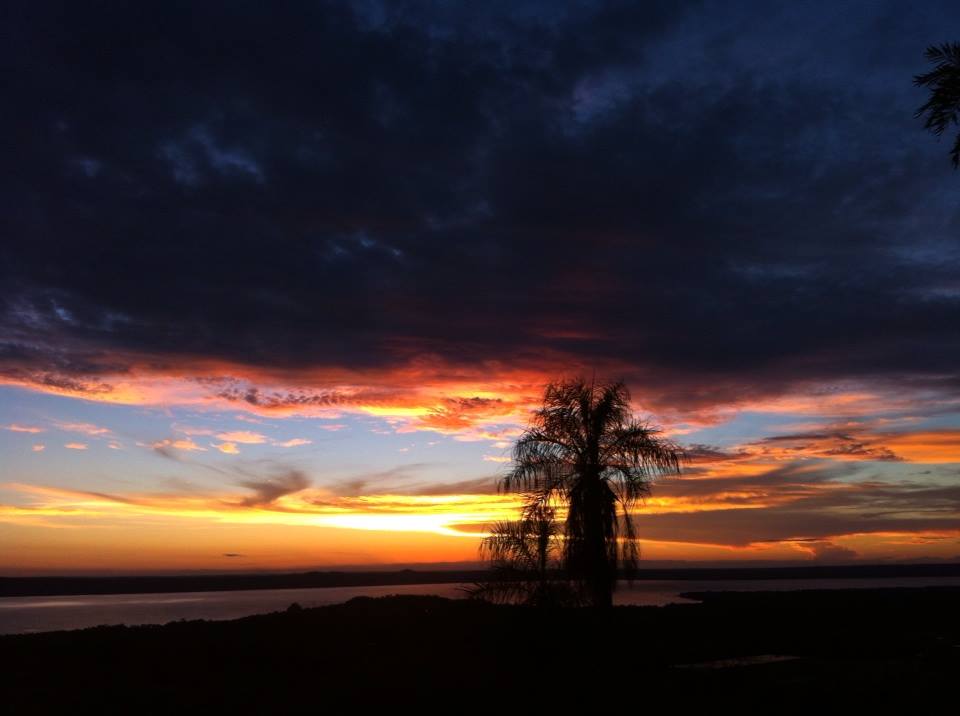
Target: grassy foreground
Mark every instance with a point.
(872, 646)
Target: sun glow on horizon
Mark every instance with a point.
(427, 458)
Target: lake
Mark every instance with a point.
(21, 615)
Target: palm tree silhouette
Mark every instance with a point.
(942, 110)
(526, 558)
(584, 451)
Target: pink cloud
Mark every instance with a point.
(188, 430)
(85, 429)
(293, 443)
(245, 437)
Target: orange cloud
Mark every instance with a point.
(422, 394)
(925, 446)
(76, 446)
(39, 447)
(186, 444)
(228, 448)
(863, 443)
(489, 400)
(13, 427)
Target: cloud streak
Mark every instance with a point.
(268, 491)
(824, 511)
(30, 429)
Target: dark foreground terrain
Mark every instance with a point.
(775, 651)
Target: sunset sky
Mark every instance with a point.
(281, 282)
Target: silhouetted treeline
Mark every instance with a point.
(50, 586)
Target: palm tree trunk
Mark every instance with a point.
(596, 560)
(601, 588)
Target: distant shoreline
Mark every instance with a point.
(63, 586)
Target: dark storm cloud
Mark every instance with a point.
(729, 199)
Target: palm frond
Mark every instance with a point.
(942, 109)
